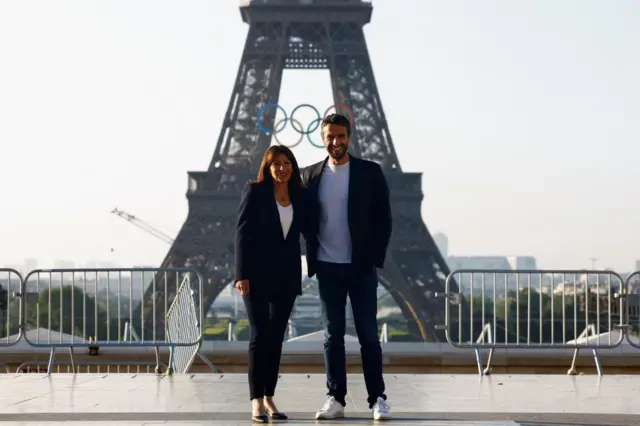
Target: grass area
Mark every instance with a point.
(400, 335)
(223, 327)
(220, 330)
(217, 328)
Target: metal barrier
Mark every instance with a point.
(534, 309)
(184, 325)
(74, 308)
(493, 309)
(131, 367)
(632, 311)
(11, 284)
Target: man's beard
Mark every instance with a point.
(337, 153)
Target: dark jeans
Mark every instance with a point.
(336, 281)
(268, 317)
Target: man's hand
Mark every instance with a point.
(243, 287)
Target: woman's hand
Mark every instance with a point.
(243, 287)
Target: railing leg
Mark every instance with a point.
(207, 361)
(572, 370)
(487, 370)
(52, 356)
(170, 366)
(157, 351)
(596, 357)
(479, 362)
(73, 359)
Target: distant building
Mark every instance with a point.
(522, 262)
(63, 264)
(501, 281)
(637, 265)
(492, 262)
(30, 264)
(478, 262)
(442, 241)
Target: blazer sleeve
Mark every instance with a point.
(244, 257)
(306, 216)
(381, 215)
(304, 176)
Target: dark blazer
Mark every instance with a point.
(369, 213)
(263, 256)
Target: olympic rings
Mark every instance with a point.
(309, 134)
(351, 117)
(296, 125)
(299, 141)
(259, 119)
(301, 130)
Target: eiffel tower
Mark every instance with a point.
(305, 34)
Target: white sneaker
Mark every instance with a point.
(332, 409)
(381, 410)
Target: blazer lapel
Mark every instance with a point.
(316, 174)
(275, 214)
(296, 215)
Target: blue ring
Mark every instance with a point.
(259, 121)
(318, 120)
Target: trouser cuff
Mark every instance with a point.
(341, 400)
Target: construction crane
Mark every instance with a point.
(164, 237)
(143, 225)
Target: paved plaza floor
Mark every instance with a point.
(221, 399)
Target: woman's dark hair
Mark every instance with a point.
(264, 174)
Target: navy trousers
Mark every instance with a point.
(268, 317)
(336, 282)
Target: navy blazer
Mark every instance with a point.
(263, 255)
(369, 213)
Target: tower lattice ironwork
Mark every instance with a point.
(305, 34)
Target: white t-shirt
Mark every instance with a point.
(334, 237)
(286, 218)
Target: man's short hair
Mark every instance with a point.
(338, 120)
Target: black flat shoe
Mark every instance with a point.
(278, 416)
(260, 419)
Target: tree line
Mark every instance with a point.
(523, 317)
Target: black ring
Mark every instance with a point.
(301, 130)
(292, 120)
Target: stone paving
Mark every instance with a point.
(221, 399)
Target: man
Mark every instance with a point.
(351, 217)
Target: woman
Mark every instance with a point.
(268, 270)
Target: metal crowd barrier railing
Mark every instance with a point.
(130, 367)
(540, 309)
(632, 309)
(101, 308)
(11, 284)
